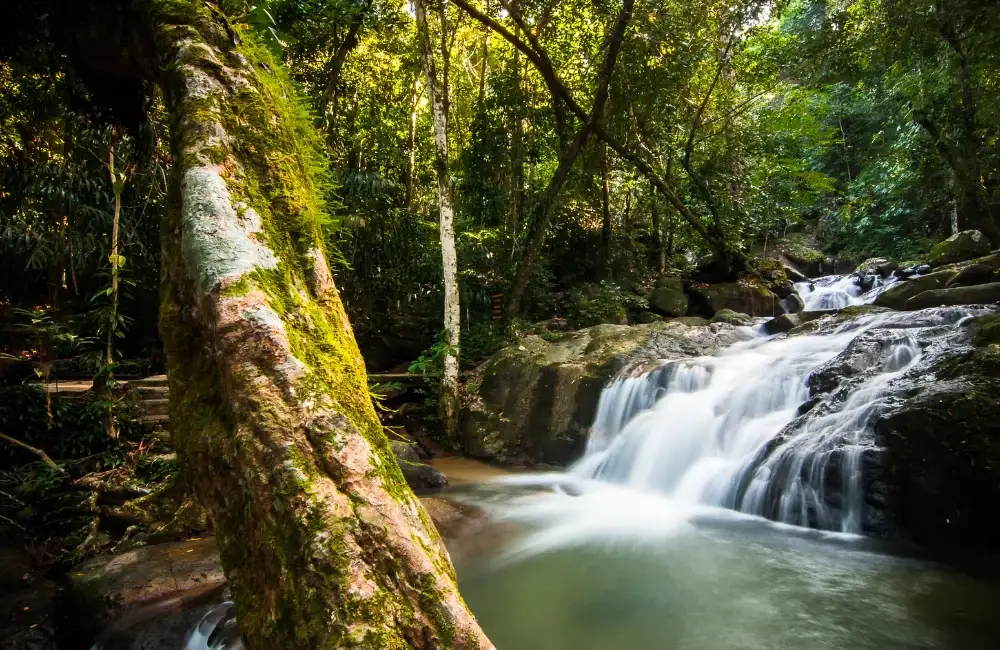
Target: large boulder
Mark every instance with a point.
(741, 297)
(940, 470)
(895, 296)
(959, 247)
(971, 275)
(668, 301)
(105, 588)
(536, 400)
(799, 253)
(979, 294)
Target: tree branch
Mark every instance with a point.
(38, 452)
(544, 66)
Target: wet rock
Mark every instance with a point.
(739, 297)
(535, 400)
(787, 322)
(732, 318)
(647, 317)
(692, 321)
(783, 323)
(972, 275)
(940, 471)
(886, 269)
(980, 294)
(870, 265)
(865, 353)
(418, 475)
(101, 590)
(895, 297)
(959, 247)
(794, 274)
(668, 301)
(793, 303)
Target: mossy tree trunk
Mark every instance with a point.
(323, 543)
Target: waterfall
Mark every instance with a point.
(743, 430)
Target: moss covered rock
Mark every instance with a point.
(959, 247)
(668, 301)
(744, 297)
(732, 317)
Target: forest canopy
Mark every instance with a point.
(870, 124)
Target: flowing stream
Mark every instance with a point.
(722, 504)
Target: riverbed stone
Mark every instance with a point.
(972, 275)
(961, 246)
(534, 401)
(741, 297)
(979, 294)
(895, 297)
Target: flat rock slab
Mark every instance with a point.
(107, 586)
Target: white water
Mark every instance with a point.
(706, 431)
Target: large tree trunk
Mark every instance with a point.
(448, 401)
(323, 543)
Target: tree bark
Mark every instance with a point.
(322, 542)
(411, 143)
(331, 93)
(605, 217)
(448, 400)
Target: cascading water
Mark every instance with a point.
(726, 431)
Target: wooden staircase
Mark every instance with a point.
(153, 394)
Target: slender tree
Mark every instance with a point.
(437, 95)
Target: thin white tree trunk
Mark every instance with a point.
(449, 260)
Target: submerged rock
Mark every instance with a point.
(535, 400)
(959, 247)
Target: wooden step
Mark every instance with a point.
(155, 406)
(155, 420)
(154, 380)
(151, 392)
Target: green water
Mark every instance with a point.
(745, 585)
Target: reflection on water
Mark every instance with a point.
(648, 576)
